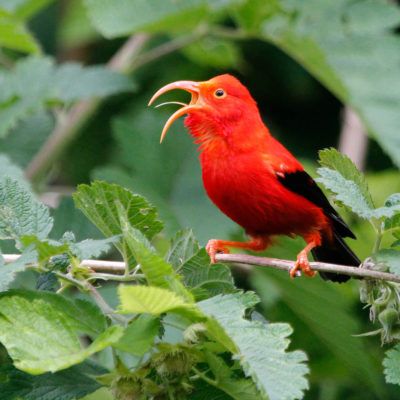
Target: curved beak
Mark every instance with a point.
(191, 87)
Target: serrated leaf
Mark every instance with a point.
(332, 159)
(205, 278)
(99, 200)
(48, 327)
(391, 364)
(183, 247)
(237, 388)
(139, 336)
(93, 248)
(346, 192)
(154, 301)
(20, 213)
(45, 249)
(156, 270)
(390, 258)
(36, 82)
(125, 17)
(70, 384)
(261, 349)
(347, 57)
(9, 271)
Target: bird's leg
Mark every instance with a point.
(302, 262)
(256, 243)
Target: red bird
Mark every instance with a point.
(254, 179)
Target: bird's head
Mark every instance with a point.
(216, 107)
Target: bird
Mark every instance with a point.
(256, 181)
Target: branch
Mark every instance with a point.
(247, 261)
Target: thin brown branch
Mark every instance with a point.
(247, 261)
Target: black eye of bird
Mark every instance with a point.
(219, 93)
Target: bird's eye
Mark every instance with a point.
(219, 93)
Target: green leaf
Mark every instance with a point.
(91, 248)
(390, 258)
(48, 327)
(24, 9)
(14, 34)
(342, 43)
(183, 247)
(154, 301)
(391, 364)
(45, 249)
(125, 17)
(314, 304)
(36, 82)
(157, 271)
(9, 271)
(9, 169)
(99, 203)
(20, 213)
(214, 52)
(139, 336)
(70, 384)
(239, 389)
(204, 278)
(261, 349)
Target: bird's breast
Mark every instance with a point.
(247, 191)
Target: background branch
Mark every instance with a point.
(246, 261)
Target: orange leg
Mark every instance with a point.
(256, 243)
(302, 262)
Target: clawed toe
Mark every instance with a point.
(214, 247)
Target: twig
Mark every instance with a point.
(353, 139)
(68, 127)
(246, 261)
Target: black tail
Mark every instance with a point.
(335, 251)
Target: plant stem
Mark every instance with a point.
(378, 240)
(205, 378)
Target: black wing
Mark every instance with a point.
(302, 184)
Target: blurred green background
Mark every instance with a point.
(283, 66)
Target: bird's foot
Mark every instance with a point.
(215, 246)
(302, 264)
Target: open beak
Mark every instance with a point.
(189, 86)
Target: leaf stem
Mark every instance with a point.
(205, 378)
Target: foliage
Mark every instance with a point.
(171, 325)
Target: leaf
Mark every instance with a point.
(125, 17)
(154, 301)
(91, 248)
(14, 34)
(342, 43)
(206, 279)
(239, 389)
(26, 138)
(36, 82)
(156, 270)
(48, 327)
(183, 247)
(9, 169)
(314, 304)
(139, 336)
(390, 258)
(45, 249)
(70, 384)
(24, 9)
(99, 203)
(391, 364)
(261, 349)
(9, 271)
(20, 213)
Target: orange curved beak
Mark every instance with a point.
(191, 87)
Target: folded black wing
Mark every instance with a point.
(302, 184)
